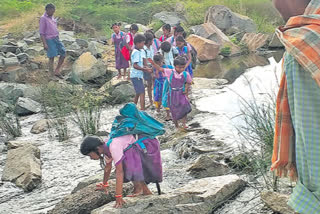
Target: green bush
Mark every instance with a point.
(225, 51)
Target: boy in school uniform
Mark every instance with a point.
(137, 70)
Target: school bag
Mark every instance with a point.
(167, 89)
(131, 121)
(123, 49)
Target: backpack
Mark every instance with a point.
(131, 121)
(167, 88)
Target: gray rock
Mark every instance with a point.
(1, 61)
(29, 41)
(9, 55)
(169, 18)
(95, 48)
(34, 66)
(23, 57)
(122, 93)
(28, 34)
(23, 167)
(10, 61)
(87, 67)
(82, 43)
(19, 51)
(228, 21)
(10, 92)
(73, 53)
(27, 106)
(14, 74)
(277, 202)
(8, 48)
(35, 51)
(207, 166)
(12, 144)
(65, 32)
(159, 33)
(66, 39)
(40, 127)
(23, 45)
(87, 199)
(74, 46)
(275, 42)
(88, 181)
(198, 196)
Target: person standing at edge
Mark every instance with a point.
(50, 38)
(296, 149)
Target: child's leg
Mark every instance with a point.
(124, 73)
(51, 62)
(176, 123)
(168, 117)
(184, 122)
(142, 101)
(146, 190)
(119, 73)
(149, 89)
(137, 189)
(136, 98)
(59, 66)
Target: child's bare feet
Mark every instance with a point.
(119, 76)
(146, 190)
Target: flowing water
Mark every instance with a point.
(63, 167)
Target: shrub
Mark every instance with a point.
(9, 121)
(225, 51)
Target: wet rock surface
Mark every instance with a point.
(198, 196)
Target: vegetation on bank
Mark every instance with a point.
(101, 13)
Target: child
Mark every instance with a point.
(166, 29)
(130, 36)
(156, 43)
(137, 69)
(168, 52)
(149, 55)
(132, 163)
(179, 81)
(117, 38)
(184, 51)
(158, 85)
(178, 31)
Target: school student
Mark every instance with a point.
(168, 52)
(136, 72)
(118, 38)
(179, 82)
(149, 51)
(130, 36)
(166, 29)
(184, 51)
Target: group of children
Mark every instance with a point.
(164, 64)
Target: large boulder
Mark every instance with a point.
(8, 48)
(212, 32)
(123, 93)
(277, 202)
(228, 21)
(40, 126)
(87, 67)
(171, 18)
(275, 42)
(207, 166)
(23, 167)
(207, 49)
(10, 92)
(14, 74)
(82, 43)
(95, 48)
(87, 199)
(66, 37)
(198, 196)
(255, 41)
(27, 106)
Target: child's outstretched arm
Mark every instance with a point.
(156, 66)
(136, 66)
(119, 186)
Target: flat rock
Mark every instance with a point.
(198, 196)
(22, 57)
(13, 61)
(207, 166)
(95, 48)
(14, 144)
(27, 106)
(277, 202)
(228, 21)
(35, 51)
(8, 48)
(40, 127)
(255, 41)
(87, 199)
(207, 49)
(9, 55)
(23, 167)
(82, 43)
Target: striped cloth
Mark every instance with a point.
(301, 37)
